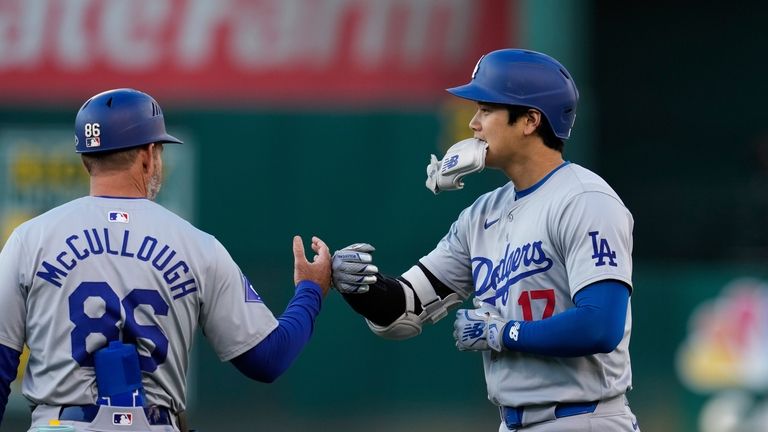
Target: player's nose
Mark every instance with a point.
(474, 124)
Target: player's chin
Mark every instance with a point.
(491, 160)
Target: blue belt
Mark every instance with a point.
(86, 414)
(513, 416)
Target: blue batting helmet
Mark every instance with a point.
(526, 78)
(119, 119)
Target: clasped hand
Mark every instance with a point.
(352, 270)
(478, 329)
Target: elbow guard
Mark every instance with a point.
(429, 309)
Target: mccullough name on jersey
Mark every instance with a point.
(94, 242)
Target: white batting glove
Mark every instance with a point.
(352, 270)
(478, 329)
(464, 157)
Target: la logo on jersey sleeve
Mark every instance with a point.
(251, 296)
(601, 251)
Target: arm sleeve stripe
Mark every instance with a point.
(421, 285)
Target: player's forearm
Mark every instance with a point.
(595, 325)
(385, 301)
(268, 360)
(382, 304)
(9, 364)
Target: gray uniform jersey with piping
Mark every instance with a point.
(98, 269)
(529, 257)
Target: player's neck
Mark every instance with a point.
(527, 170)
(117, 184)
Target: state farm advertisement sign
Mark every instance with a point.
(307, 51)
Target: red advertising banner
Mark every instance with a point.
(244, 51)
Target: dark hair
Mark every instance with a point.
(544, 130)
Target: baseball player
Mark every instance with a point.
(116, 266)
(546, 258)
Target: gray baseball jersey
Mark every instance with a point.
(99, 269)
(529, 256)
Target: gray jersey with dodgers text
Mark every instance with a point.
(99, 269)
(529, 255)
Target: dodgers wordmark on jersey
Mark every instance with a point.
(528, 253)
(105, 269)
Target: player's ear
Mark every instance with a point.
(532, 121)
(146, 156)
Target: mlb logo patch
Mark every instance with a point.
(122, 419)
(118, 216)
(92, 142)
(251, 296)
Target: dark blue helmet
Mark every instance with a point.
(119, 119)
(526, 78)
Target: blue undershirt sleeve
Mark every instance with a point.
(595, 325)
(272, 356)
(9, 364)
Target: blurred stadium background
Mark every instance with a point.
(317, 117)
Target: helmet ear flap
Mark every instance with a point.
(525, 78)
(118, 119)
